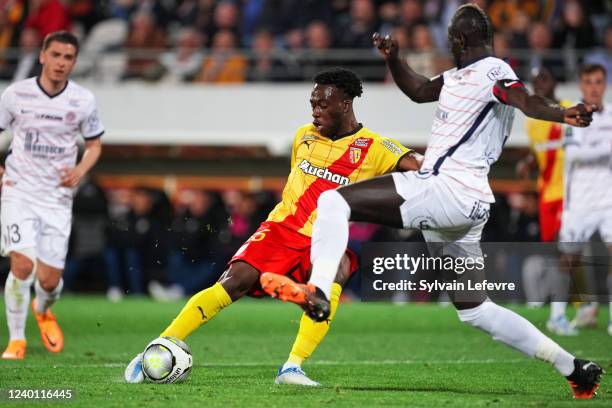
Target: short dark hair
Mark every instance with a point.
(474, 23)
(61, 36)
(590, 68)
(341, 78)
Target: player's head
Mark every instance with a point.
(593, 83)
(469, 28)
(544, 83)
(332, 99)
(58, 55)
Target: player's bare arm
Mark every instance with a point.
(535, 106)
(72, 177)
(417, 87)
(411, 161)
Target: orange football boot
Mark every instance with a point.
(50, 332)
(285, 289)
(310, 298)
(585, 379)
(15, 350)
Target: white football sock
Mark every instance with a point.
(17, 301)
(557, 309)
(534, 274)
(330, 234)
(517, 332)
(45, 299)
(609, 281)
(560, 294)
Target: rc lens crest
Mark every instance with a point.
(354, 154)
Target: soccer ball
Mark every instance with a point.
(166, 360)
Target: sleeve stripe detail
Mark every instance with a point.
(94, 136)
(500, 93)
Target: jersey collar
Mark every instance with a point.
(472, 61)
(351, 133)
(47, 93)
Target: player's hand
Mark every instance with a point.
(387, 46)
(580, 115)
(1, 174)
(71, 177)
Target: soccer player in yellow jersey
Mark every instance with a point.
(332, 151)
(546, 143)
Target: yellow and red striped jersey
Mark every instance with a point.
(546, 142)
(319, 164)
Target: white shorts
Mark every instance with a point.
(578, 227)
(28, 226)
(444, 216)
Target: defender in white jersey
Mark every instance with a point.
(449, 198)
(47, 116)
(588, 193)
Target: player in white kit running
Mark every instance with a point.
(46, 115)
(449, 198)
(588, 194)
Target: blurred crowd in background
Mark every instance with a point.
(140, 241)
(225, 41)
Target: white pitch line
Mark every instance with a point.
(312, 363)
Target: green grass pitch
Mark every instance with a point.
(374, 355)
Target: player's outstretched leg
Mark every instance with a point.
(48, 287)
(374, 200)
(517, 332)
(17, 301)
(236, 282)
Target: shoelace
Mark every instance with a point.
(296, 370)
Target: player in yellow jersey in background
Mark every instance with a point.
(547, 155)
(546, 144)
(332, 151)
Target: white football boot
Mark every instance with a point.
(294, 375)
(561, 326)
(586, 316)
(133, 372)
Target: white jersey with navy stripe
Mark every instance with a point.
(470, 126)
(588, 161)
(45, 131)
